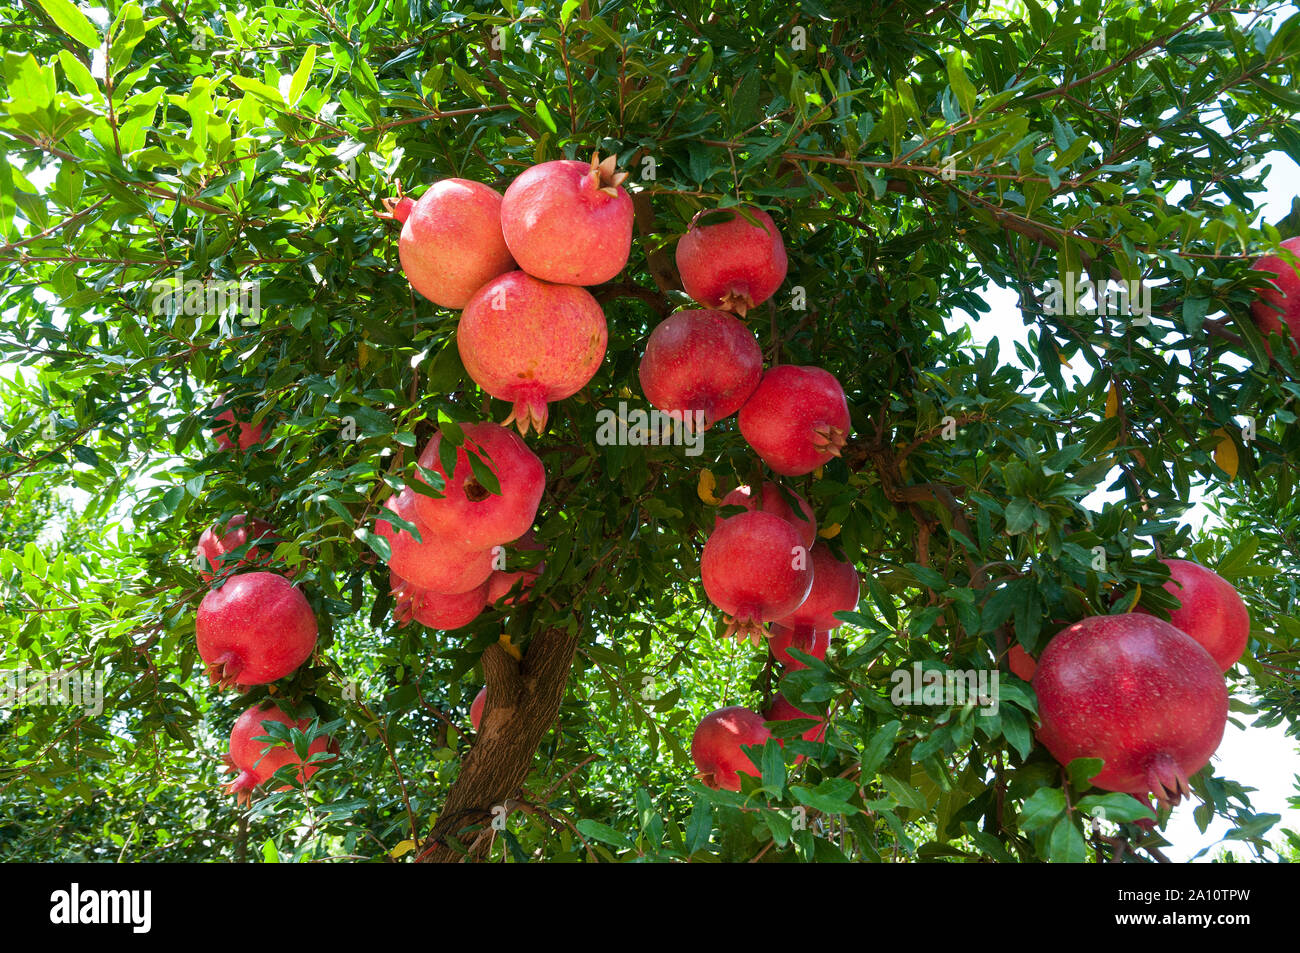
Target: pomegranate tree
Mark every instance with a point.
(834, 589)
(797, 419)
(432, 562)
(773, 501)
(700, 360)
(469, 514)
(1212, 612)
(529, 342)
(240, 532)
(755, 569)
(569, 222)
(812, 642)
(1278, 309)
(731, 263)
(1136, 692)
(256, 761)
(435, 609)
(716, 747)
(255, 629)
(451, 243)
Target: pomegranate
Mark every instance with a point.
(812, 642)
(1137, 693)
(1212, 612)
(1021, 663)
(756, 570)
(1280, 305)
(834, 589)
(240, 531)
(434, 562)
(779, 709)
(435, 609)
(476, 707)
(529, 342)
(732, 264)
(700, 361)
(255, 629)
(468, 514)
(451, 242)
(257, 761)
(569, 222)
(249, 434)
(774, 502)
(716, 746)
(797, 419)
(502, 582)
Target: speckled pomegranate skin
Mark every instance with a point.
(256, 628)
(451, 243)
(812, 642)
(433, 563)
(775, 503)
(436, 610)
(834, 589)
(716, 746)
(1285, 296)
(732, 264)
(701, 360)
(783, 418)
(749, 568)
(1212, 612)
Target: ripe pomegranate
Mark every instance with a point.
(732, 264)
(451, 242)
(435, 562)
(716, 746)
(812, 642)
(756, 570)
(569, 222)
(1021, 663)
(529, 342)
(435, 609)
(1280, 305)
(249, 435)
(240, 531)
(774, 502)
(700, 361)
(1137, 693)
(797, 419)
(1212, 612)
(476, 707)
(257, 761)
(470, 515)
(779, 709)
(502, 582)
(255, 629)
(834, 589)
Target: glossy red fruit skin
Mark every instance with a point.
(436, 610)
(755, 569)
(1136, 692)
(433, 563)
(257, 761)
(1212, 612)
(503, 581)
(476, 707)
(467, 514)
(1021, 663)
(700, 360)
(780, 709)
(834, 589)
(255, 629)
(240, 531)
(561, 227)
(451, 243)
(732, 264)
(812, 642)
(249, 434)
(796, 419)
(1286, 296)
(716, 746)
(530, 342)
(805, 522)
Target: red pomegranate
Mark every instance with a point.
(240, 531)
(529, 342)
(731, 264)
(716, 746)
(249, 434)
(569, 222)
(1021, 663)
(255, 629)
(700, 361)
(1137, 693)
(779, 709)
(774, 502)
(451, 242)
(434, 562)
(1212, 612)
(755, 569)
(468, 513)
(834, 589)
(1280, 305)
(503, 582)
(476, 707)
(797, 419)
(812, 642)
(257, 761)
(435, 609)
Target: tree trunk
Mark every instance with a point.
(523, 699)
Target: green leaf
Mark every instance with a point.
(301, 76)
(595, 830)
(72, 22)
(960, 83)
(1041, 808)
(1066, 845)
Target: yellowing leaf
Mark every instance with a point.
(402, 848)
(511, 649)
(708, 483)
(829, 532)
(817, 474)
(363, 353)
(1063, 360)
(1225, 454)
(1112, 400)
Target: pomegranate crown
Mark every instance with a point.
(604, 174)
(397, 208)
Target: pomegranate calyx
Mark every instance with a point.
(828, 439)
(737, 300)
(528, 413)
(1167, 781)
(605, 176)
